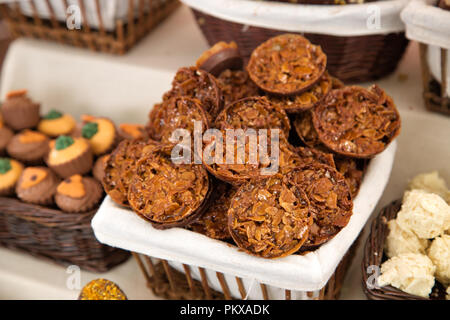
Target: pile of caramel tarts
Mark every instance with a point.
(326, 134)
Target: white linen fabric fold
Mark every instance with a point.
(379, 17)
(120, 227)
(429, 24)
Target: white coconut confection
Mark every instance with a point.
(439, 253)
(425, 214)
(409, 272)
(401, 241)
(431, 182)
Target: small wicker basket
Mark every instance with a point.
(168, 283)
(428, 24)
(51, 234)
(373, 256)
(350, 58)
(125, 35)
(434, 92)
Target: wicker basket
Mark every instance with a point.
(428, 25)
(118, 41)
(434, 92)
(373, 256)
(51, 234)
(351, 59)
(168, 283)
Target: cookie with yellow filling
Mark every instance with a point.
(28, 146)
(10, 171)
(78, 194)
(19, 112)
(132, 131)
(69, 156)
(55, 123)
(6, 135)
(101, 134)
(37, 185)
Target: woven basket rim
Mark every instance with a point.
(259, 14)
(49, 217)
(373, 255)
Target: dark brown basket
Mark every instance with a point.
(125, 36)
(373, 256)
(168, 283)
(351, 59)
(434, 93)
(64, 238)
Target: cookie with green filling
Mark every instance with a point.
(55, 123)
(69, 156)
(101, 133)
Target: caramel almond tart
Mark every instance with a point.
(310, 155)
(255, 113)
(236, 85)
(305, 100)
(173, 114)
(331, 203)
(286, 65)
(214, 222)
(30, 147)
(245, 163)
(304, 128)
(303, 123)
(19, 112)
(78, 194)
(270, 218)
(101, 133)
(357, 122)
(221, 56)
(55, 124)
(197, 84)
(352, 169)
(37, 185)
(102, 289)
(168, 194)
(6, 135)
(69, 156)
(120, 165)
(10, 172)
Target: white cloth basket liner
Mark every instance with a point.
(338, 20)
(429, 24)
